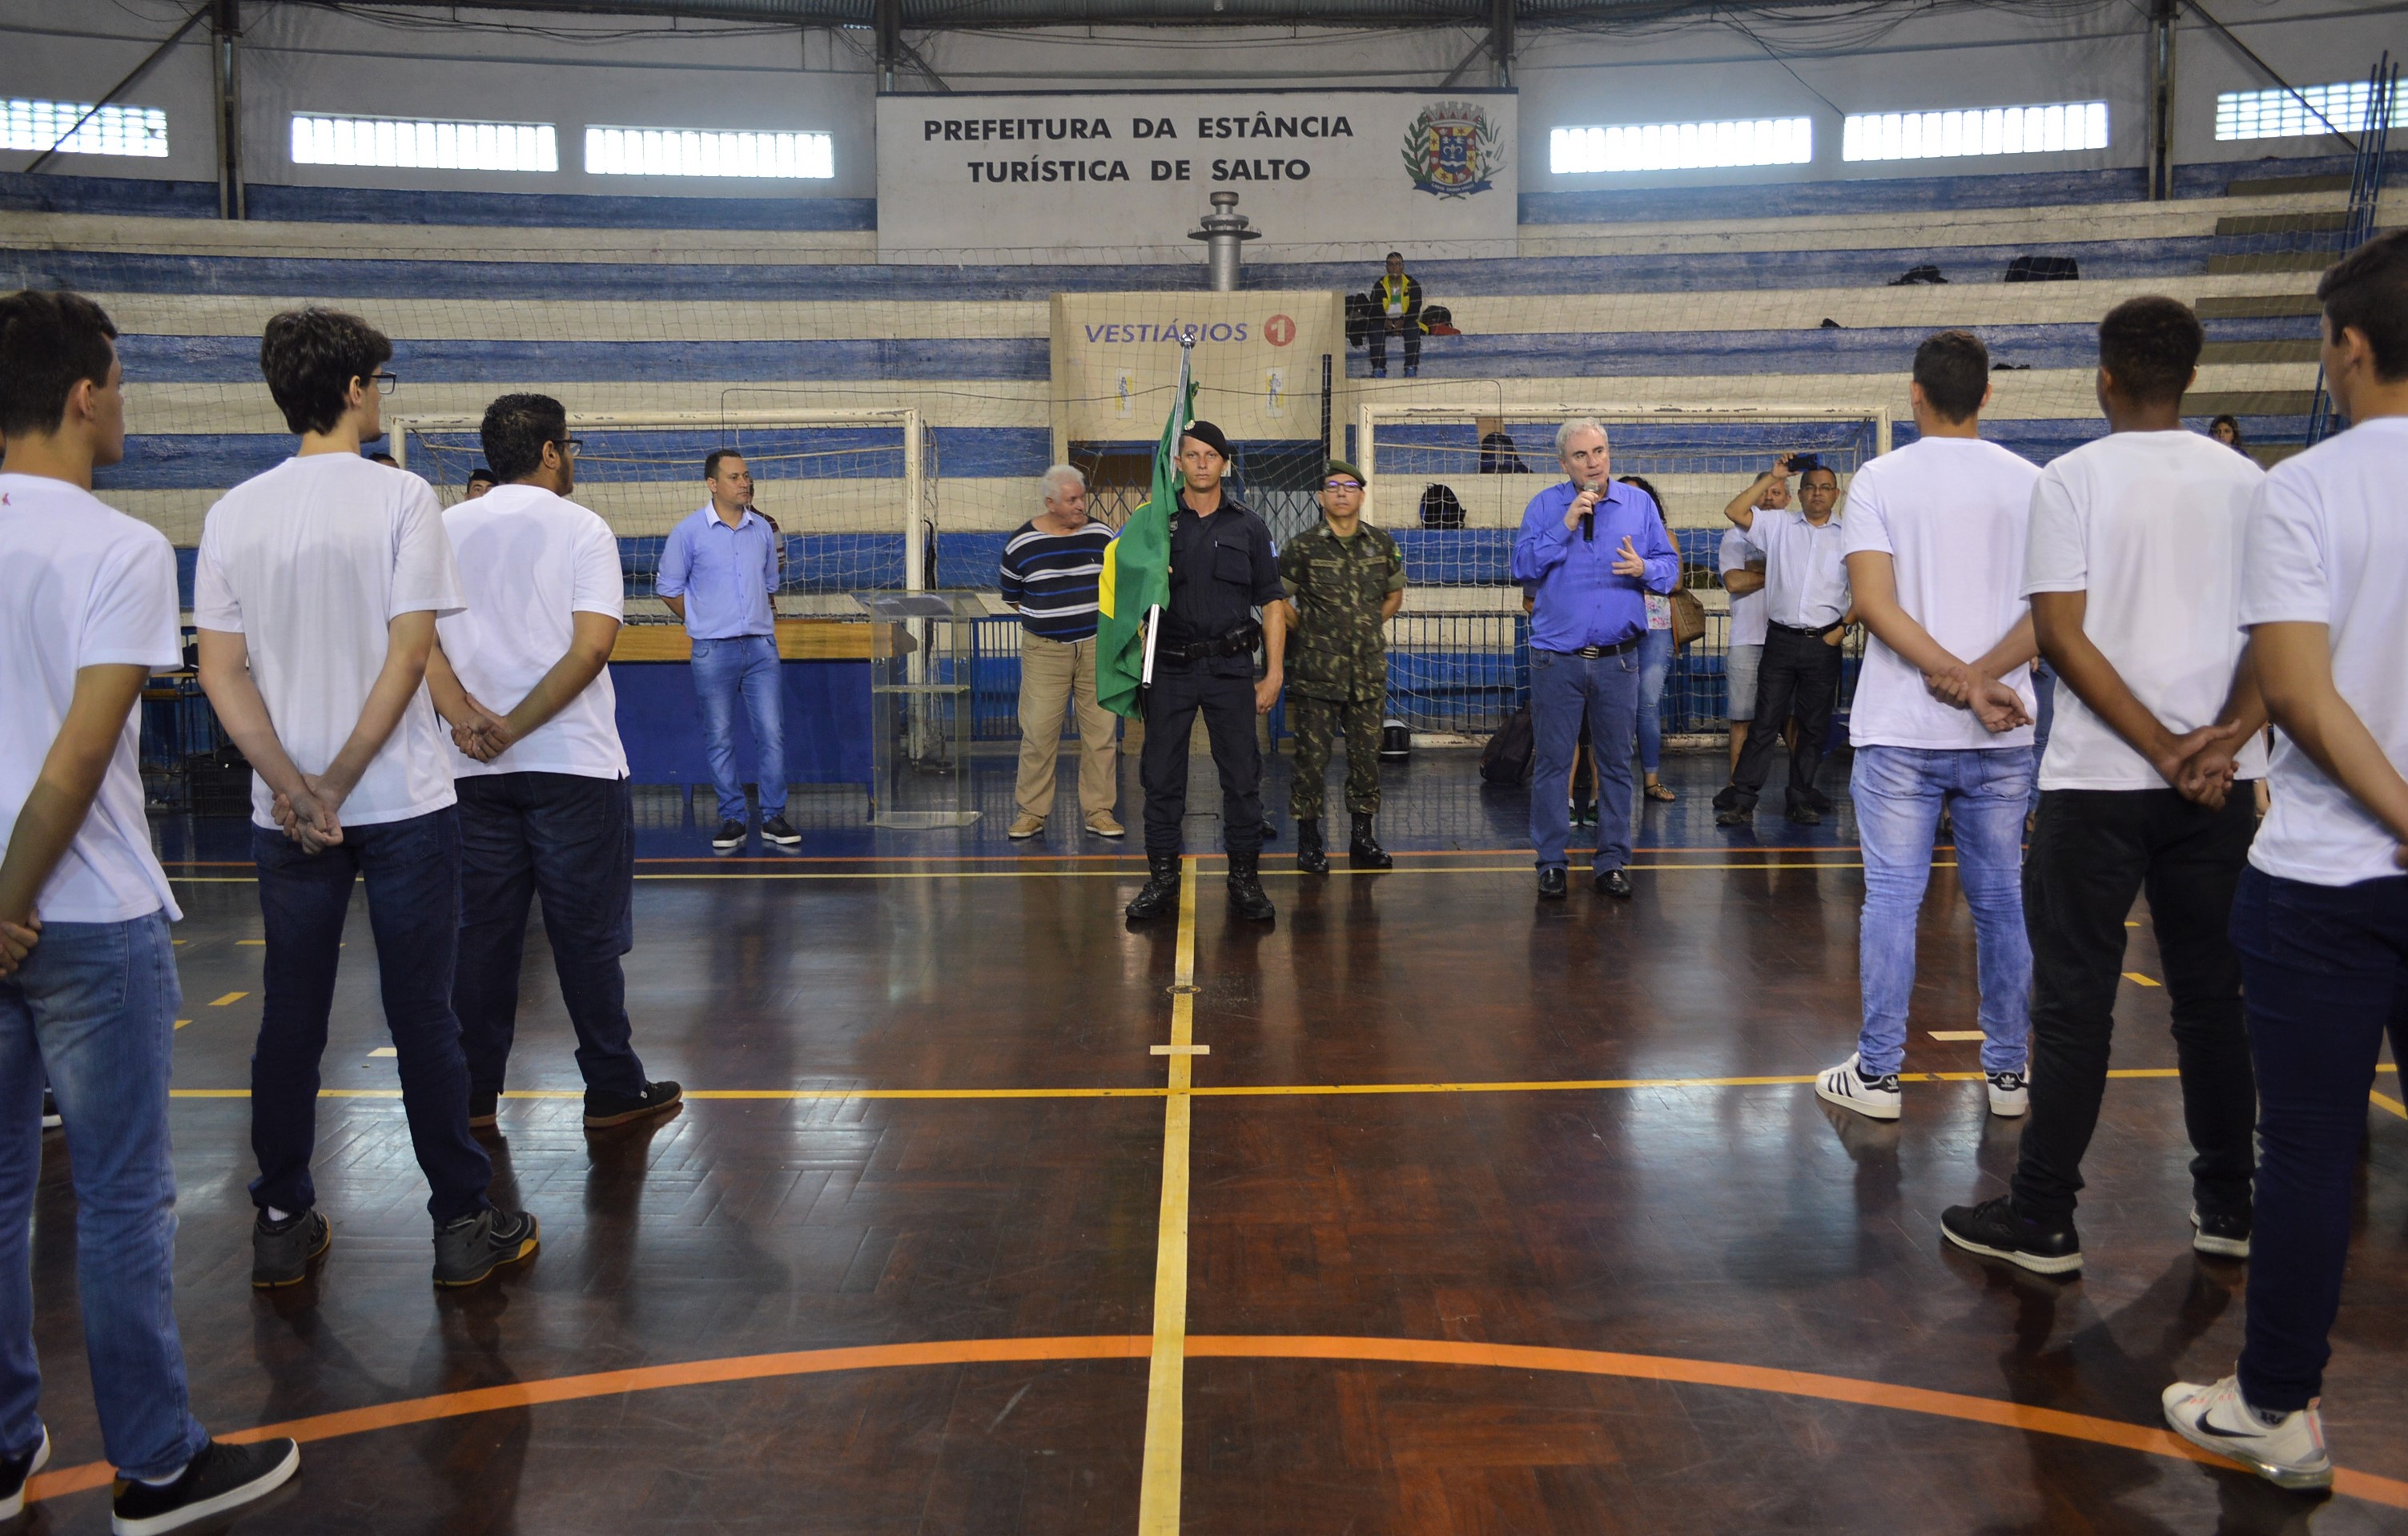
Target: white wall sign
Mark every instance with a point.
(1257, 363)
(1041, 177)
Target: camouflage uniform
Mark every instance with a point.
(1338, 660)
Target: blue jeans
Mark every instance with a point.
(2325, 970)
(95, 1006)
(412, 870)
(1562, 686)
(2044, 716)
(1898, 793)
(724, 671)
(1655, 666)
(572, 840)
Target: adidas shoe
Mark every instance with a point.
(1994, 1230)
(220, 1478)
(2010, 1094)
(16, 1472)
(1846, 1085)
(2223, 1237)
(2285, 1449)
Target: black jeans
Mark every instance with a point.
(1227, 700)
(2326, 967)
(571, 840)
(412, 872)
(1411, 338)
(1799, 676)
(2093, 851)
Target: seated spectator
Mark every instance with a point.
(2226, 430)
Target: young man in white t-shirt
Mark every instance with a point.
(2321, 915)
(88, 990)
(2134, 577)
(1941, 724)
(315, 595)
(524, 670)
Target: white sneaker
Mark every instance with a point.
(2010, 1094)
(14, 1475)
(2290, 1453)
(1846, 1085)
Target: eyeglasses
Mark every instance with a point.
(385, 382)
(573, 445)
(1344, 485)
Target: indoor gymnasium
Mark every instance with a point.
(1203, 766)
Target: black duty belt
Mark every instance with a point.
(1799, 629)
(1591, 653)
(1237, 642)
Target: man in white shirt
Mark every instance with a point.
(316, 596)
(1806, 616)
(2321, 915)
(2134, 575)
(88, 991)
(1935, 547)
(522, 671)
(1743, 568)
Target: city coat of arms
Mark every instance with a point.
(1453, 149)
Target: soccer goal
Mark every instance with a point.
(850, 491)
(1451, 480)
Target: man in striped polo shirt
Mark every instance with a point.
(1050, 571)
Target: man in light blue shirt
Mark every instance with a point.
(1590, 549)
(716, 572)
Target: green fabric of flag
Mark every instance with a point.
(1137, 568)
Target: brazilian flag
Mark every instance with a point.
(1136, 568)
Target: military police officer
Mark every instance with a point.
(1348, 580)
(1222, 568)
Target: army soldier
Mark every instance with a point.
(1222, 567)
(1348, 580)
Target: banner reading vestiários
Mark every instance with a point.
(1058, 175)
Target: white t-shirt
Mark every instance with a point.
(308, 563)
(1746, 614)
(1805, 576)
(529, 561)
(1951, 513)
(2149, 525)
(2327, 544)
(81, 585)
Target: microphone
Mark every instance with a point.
(1589, 519)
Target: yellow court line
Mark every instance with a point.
(2390, 1103)
(2144, 981)
(1165, 1384)
(229, 997)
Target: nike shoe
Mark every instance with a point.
(1994, 1229)
(2285, 1449)
(220, 1479)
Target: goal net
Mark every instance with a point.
(1450, 478)
(851, 493)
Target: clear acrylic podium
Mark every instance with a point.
(920, 652)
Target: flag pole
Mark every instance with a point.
(1179, 404)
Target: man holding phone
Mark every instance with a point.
(1806, 611)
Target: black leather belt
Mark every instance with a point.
(1237, 642)
(1591, 653)
(1799, 629)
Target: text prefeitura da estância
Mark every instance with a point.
(1039, 167)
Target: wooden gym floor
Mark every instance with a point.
(1446, 1211)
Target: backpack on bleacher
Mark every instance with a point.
(1440, 509)
(2043, 269)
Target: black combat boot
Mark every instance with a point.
(1365, 852)
(1310, 857)
(1246, 896)
(1161, 893)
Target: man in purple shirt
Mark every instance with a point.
(716, 572)
(1588, 551)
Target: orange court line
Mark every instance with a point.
(2144, 1439)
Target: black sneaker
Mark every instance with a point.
(484, 1108)
(2220, 1237)
(731, 835)
(1994, 1230)
(281, 1252)
(1805, 816)
(774, 829)
(15, 1471)
(220, 1478)
(473, 1247)
(51, 1118)
(1734, 817)
(604, 1109)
